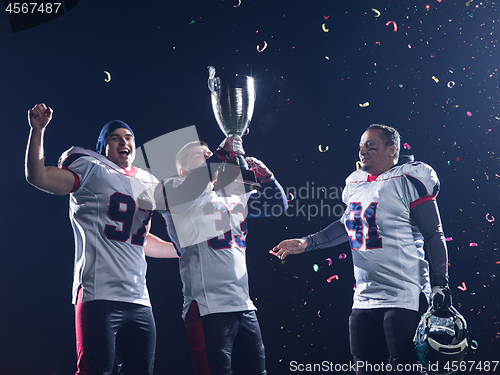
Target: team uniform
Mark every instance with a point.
(109, 211)
(388, 254)
(209, 234)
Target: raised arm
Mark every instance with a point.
(271, 195)
(50, 179)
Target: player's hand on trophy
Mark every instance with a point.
(39, 116)
(286, 247)
(262, 173)
(230, 148)
(440, 297)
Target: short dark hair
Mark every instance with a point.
(390, 136)
(180, 159)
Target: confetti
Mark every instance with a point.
(436, 79)
(407, 146)
(469, 114)
(324, 28)
(365, 104)
(108, 78)
(332, 277)
(293, 197)
(377, 13)
(263, 48)
(358, 165)
(451, 84)
(394, 24)
(449, 239)
(315, 267)
(329, 260)
(472, 244)
(321, 150)
(342, 256)
(462, 287)
(492, 219)
(239, 3)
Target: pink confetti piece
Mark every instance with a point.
(332, 277)
(449, 239)
(462, 287)
(329, 260)
(407, 146)
(469, 114)
(342, 256)
(394, 24)
(490, 220)
(472, 244)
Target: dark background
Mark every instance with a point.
(310, 83)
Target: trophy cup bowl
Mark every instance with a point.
(233, 99)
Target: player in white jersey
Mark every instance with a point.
(391, 212)
(207, 225)
(110, 208)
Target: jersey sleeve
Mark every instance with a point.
(80, 162)
(269, 200)
(423, 183)
(332, 235)
(355, 176)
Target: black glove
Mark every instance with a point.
(440, 297)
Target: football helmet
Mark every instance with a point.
(440, 339)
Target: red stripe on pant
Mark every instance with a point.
(196, 337)
(81, 335)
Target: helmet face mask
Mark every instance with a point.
(441, 339)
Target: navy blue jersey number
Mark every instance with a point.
(121, 209)
(356, 219)
(223, 225)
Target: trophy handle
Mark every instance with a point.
(212, 81)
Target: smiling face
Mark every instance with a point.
(376, 157)
(120, 147)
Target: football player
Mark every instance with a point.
(207, 207)
(391, 210)
(110, 208)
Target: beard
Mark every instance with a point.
(365, 167)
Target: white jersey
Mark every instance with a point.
(109, 211)
(387, 247)
(213, 264)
